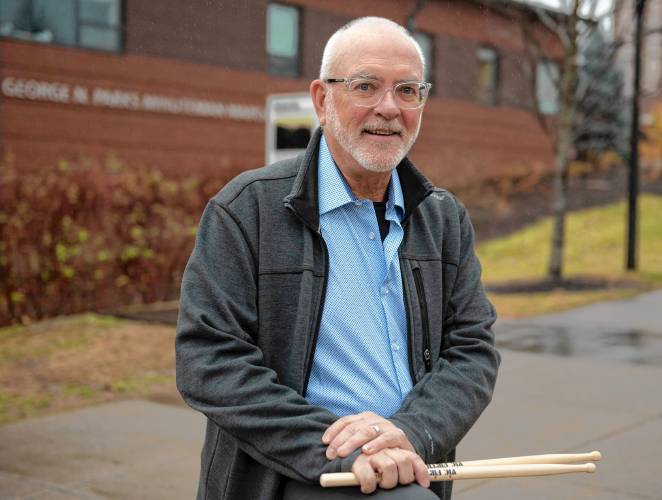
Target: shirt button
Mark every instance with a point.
(371, 235)
(395, 346)
(385, 290)
(357, 203)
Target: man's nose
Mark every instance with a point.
(387, 107)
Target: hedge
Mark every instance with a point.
(93, 235)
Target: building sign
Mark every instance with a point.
(64, 93)
(291, 119)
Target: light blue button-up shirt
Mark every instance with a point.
(361, 357)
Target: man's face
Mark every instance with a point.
(376, 138)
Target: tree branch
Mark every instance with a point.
(551, 24)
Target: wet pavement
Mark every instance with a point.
(624, 331)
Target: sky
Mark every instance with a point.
(603, 8)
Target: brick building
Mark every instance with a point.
(182, 85)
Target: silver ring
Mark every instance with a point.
(376, 428)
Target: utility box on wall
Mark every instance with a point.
(290, 122)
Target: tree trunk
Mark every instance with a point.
(564, 146)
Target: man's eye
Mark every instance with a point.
(408, 90)
(363, 87)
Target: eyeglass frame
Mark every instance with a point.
(348, 82)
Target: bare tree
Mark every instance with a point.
(574, 22)
(564, 140)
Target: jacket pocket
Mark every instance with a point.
(422, 303)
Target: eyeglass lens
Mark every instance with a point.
(370, 93)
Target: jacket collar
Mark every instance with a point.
(303, 198)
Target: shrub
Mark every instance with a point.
(93, 235)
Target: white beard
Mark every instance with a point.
(370, 158)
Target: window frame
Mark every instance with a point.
(33, 36)
(545, 61)
(429, 61)
(489, 96)
(283, 66)
(109, 27)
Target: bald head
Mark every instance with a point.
(362, 29)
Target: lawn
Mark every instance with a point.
(595, 247)
(77, 361)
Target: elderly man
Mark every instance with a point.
(332, 316)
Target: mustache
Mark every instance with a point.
(383, 127)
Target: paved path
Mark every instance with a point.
(542, 404)
(623, 331)
(124, 450)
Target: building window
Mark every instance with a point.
(93, 24)
(547, 89)
(99, 24)
(283, 39)
(427, 46)
(488, 75)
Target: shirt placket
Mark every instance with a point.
(392, 299)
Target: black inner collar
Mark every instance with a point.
(380, 212)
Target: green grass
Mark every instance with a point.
(63, 334)
(141, 384)
(595, 246)
(14, 407)
(77, 361)
(85, 320)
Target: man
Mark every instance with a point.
(332, 316)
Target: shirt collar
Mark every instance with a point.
(334, 191)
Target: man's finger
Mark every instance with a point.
(354, 439)
(393, 438)
(387, 469)
(336, 427)
(421, 472)
(405, 465)
(366, 475)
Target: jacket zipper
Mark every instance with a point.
(320, 308)
(420, 291)
(410, 335)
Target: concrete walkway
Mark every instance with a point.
(542, 404)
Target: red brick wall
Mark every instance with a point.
(220, 33)
(41, 132)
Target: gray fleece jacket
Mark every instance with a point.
(250, 308)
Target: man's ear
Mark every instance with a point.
(318, 95)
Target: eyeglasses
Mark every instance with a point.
(369, 92)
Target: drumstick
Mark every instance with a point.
(552, 458)
(474, 472)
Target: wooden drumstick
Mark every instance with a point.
(552, 458)
(474, 472)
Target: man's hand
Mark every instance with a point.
(367, 430)
(388, 468)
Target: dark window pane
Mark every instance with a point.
(282, 30)
(99, 38)
(39, 20)
(15, 15)
(292, 136)
(488, 64)
(547, 92)
(283, 40)
(283, 66)
(425, 41)
(58, 17)
(101, 12)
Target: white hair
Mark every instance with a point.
(331, 48)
